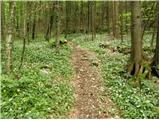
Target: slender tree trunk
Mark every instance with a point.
(24, 35)
(115, 17)
(155, 59)
(57, 7)
(126, 18)
(93, 20)
(2, 21)
(48, 31)
(34, 26)
(109, 16)
(153, 37)
(81, 18)
(88, 17)
(9, 38)
(28, 31)
(28, 23)
(156, 55)
(121, 21)
(102, 14)
(67, 19)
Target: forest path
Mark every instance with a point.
(89, 101)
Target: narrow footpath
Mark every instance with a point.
(89, 99)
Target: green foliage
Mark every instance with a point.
(29, 93)
(133, 102)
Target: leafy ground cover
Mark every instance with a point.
(41, 88)
(132, 101)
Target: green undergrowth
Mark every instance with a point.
(41, 88)
(133, 102)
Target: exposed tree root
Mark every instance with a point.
(139, 71)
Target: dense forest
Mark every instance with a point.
(80, 59)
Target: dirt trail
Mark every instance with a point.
(89, 103)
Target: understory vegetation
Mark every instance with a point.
(132, 101)
(45, 76)
(79, 59)
(41, 88)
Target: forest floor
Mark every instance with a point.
(89, 101)
(84, 79)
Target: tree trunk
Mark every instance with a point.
(156, 55)
(34, 26)
(126, 18)
(115, 18)
(93, 20)
(57, 9)
(9, 39)
(109, 16)
(2, 21)
(50, 24)
(136, 43)
(67, 19)
(121, 21)
(88, 17)
(81, 18)
(153, 37)
(155, 60)
(24, 36)
(28, 22)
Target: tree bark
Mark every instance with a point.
(93, 20)
(156, 55)
(67, 18)
(153, 37)
(126, 18)
(2, 21)
(9, 38)
(155, 59)
(136, 43)
(88, 30)
(115, 18)
(81, 17)
(57, 10)
(24, 35)
(34, 26)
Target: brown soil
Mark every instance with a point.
(89, 99)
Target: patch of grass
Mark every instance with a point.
(30, 93)
(133, 102)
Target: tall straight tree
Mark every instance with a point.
(115, 19)
(67, 17)
(82, 16)
(50, 23)
(136, 42)
(57, 15)
(2, 21)
(156, 55)
(93, 8)
(9, 38)
(24, 31)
